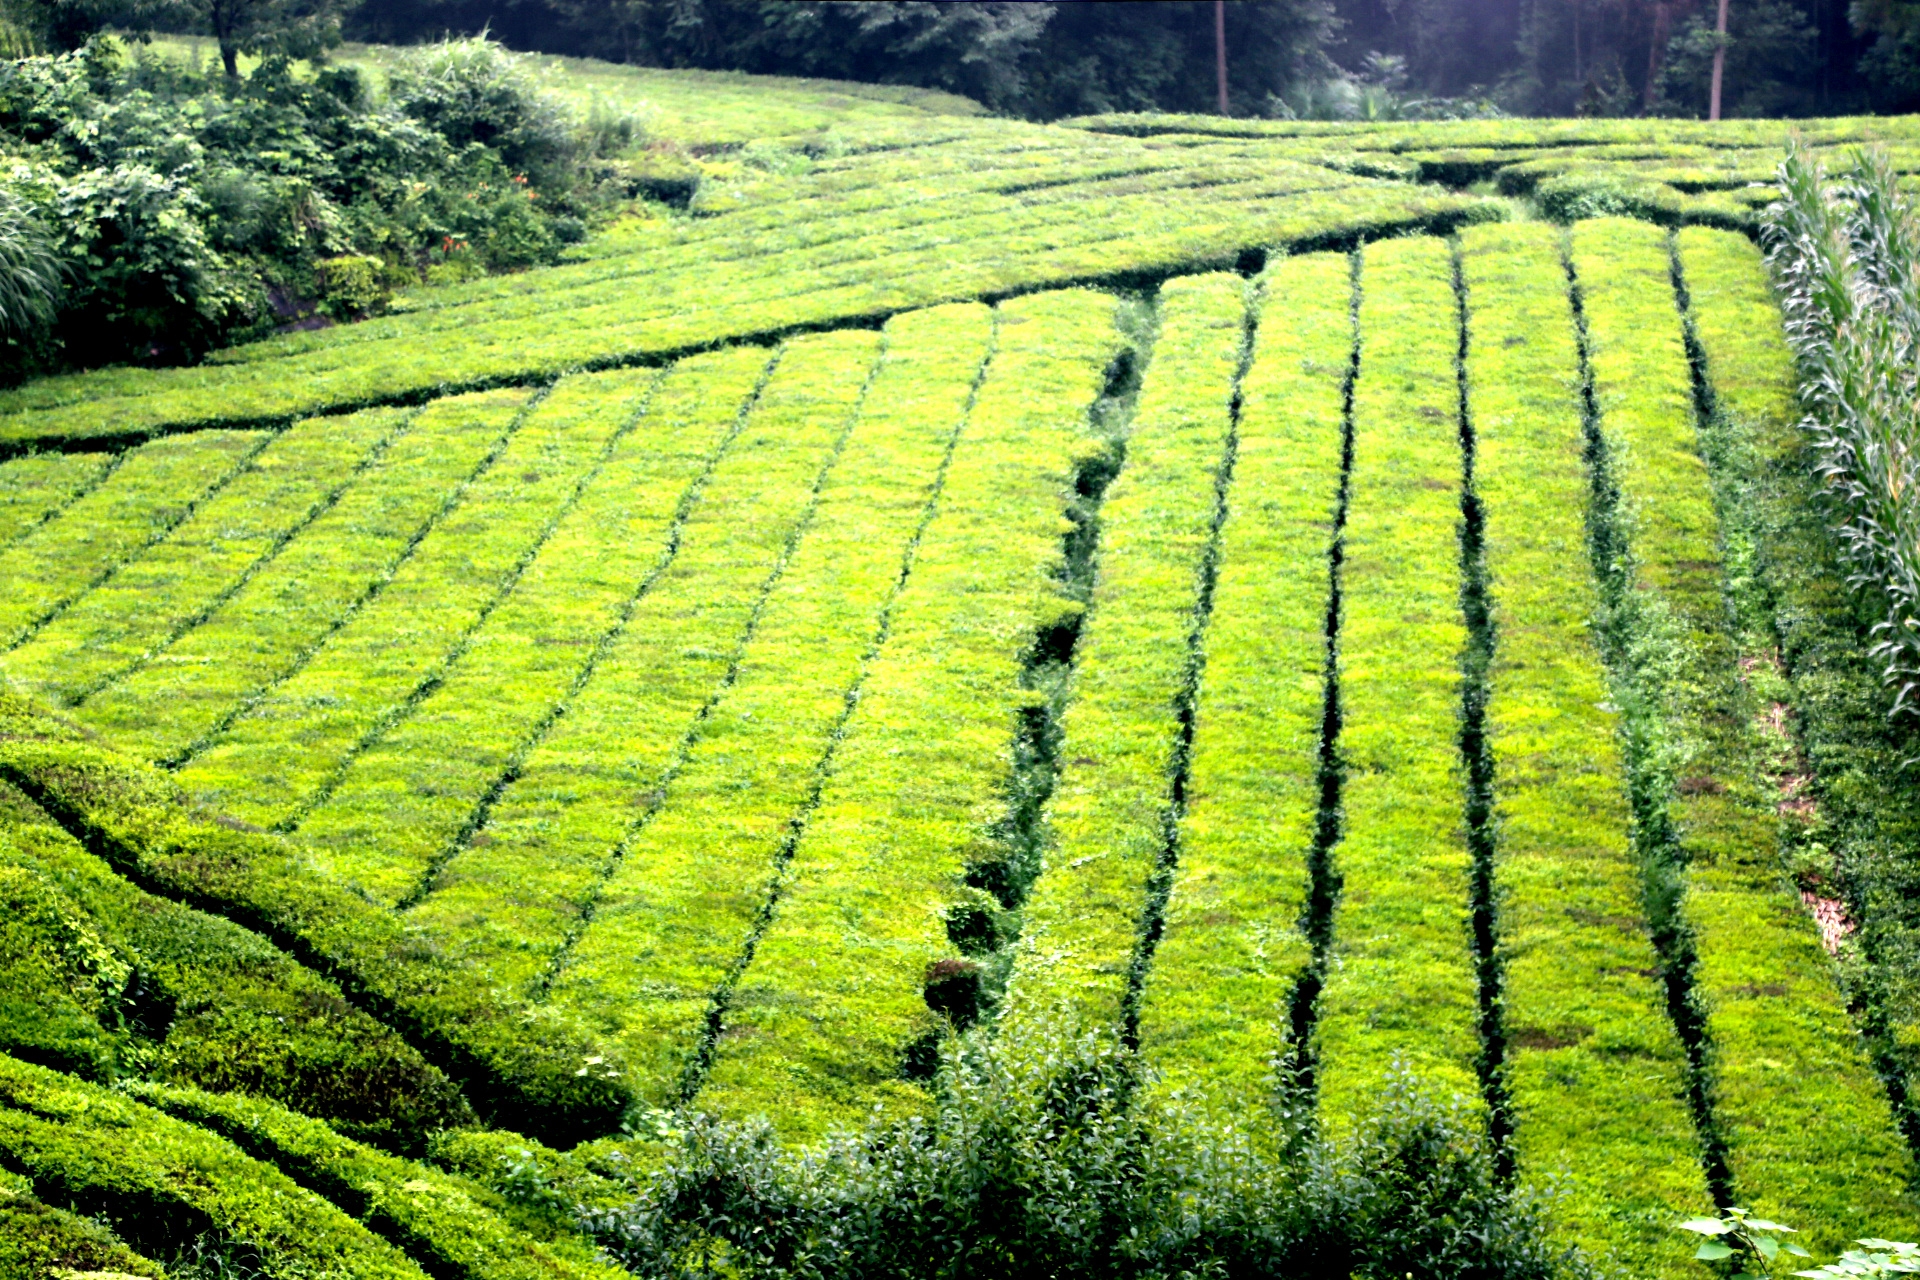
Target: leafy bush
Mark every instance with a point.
(1569, 197)
(1042, 1161)
(354, 285)
(473, 92)
(30, 272)
(160, 210)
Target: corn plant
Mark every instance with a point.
(1846, 258)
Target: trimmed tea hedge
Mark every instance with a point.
(297, 741)
(1113, 810)
(163, 1184)
(1401, 980)
(156, 596)
(153, 987)
(820, 1025)
(192, 688)
(1795, 1093)
(1214, 1011)
(671, 764)
(140, 503)
(550, 1078)
(448, 1225)
(1594, 1069)
(691, 873)
(589, 602)
(36, 488)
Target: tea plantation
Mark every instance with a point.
(1317, 607)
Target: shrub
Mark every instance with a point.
(1569, 197)
(473, 92)
(1042, 1161)
(353, 285)
(30, 274)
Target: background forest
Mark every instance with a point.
(1049, 60)
(1530, 57)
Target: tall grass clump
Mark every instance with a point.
(1044, 1158)
(1845, 253)
(31, 279)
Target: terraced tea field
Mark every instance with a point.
(1228, 587)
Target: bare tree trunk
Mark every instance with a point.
(1719, 62)
(1657, 45)
(1220, 50)
(223, 20)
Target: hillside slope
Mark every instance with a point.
(1227, 586)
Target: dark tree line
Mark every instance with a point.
(1616, 57)
(1048, 60)
(1037, 60)
(1607, 57)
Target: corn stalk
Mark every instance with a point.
(1845, 253)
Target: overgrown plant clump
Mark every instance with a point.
(153, 209)
(1846, 254)
(1042, 1159)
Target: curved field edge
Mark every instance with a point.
(508, 1059)
(137, 405)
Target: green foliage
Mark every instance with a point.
(912, 807)
(269, 627)
(1401, 983)
(1569, 197)
(289, 28)
(1753, 1240)
(185, 211)
(31, 277)
(1589, 1060)
(1038, 1163)
(41, 1243)
(1034, 60)
(1847, 259)
(1217, 1008)
(177, 579)
(1851, 842)
(1113, 809)
(1033, 208)
(1757, 1006)
(157, 487)
(502, 1054)
(1854, 844)
(37, 487)
(448, 1225)
(196, 1000)
(353, 285)
(1877, 1258)
(164, 1185)
(58, 981)
(475, 93)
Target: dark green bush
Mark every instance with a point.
(1569, 197)
(1044, 1160)
(512, 1060)
(157, 209)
